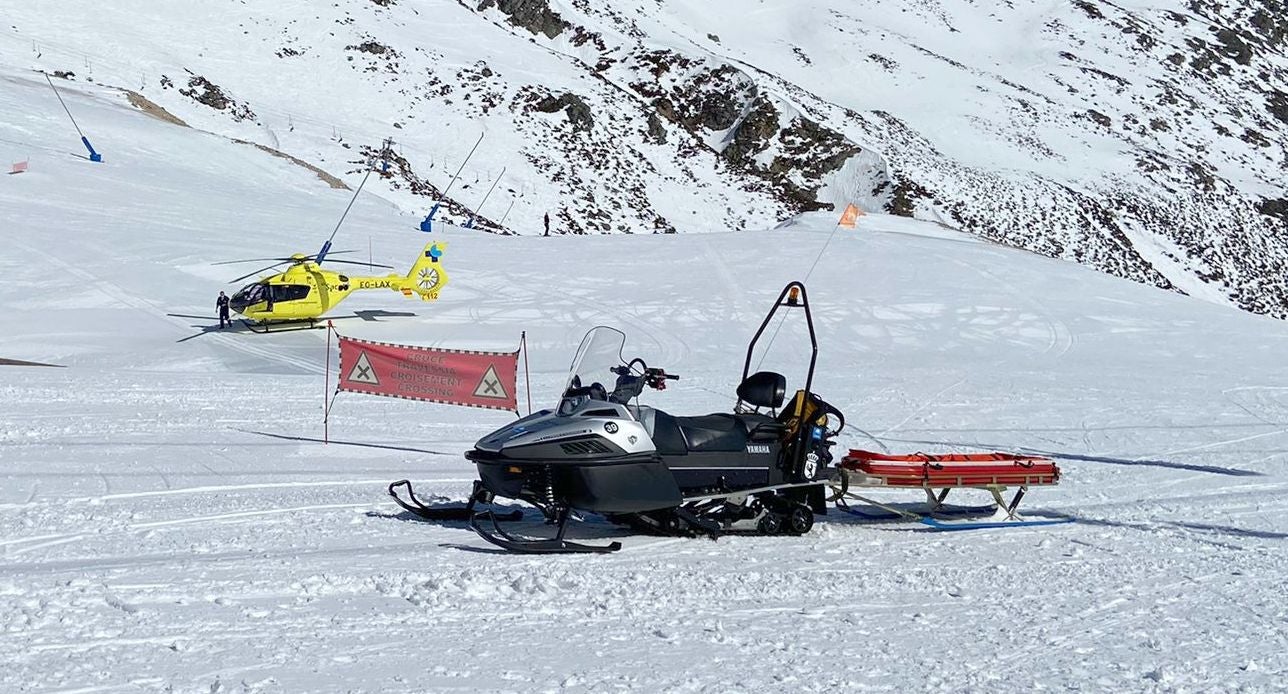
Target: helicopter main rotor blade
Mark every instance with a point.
(279, 259)
(250, 260)
(270, 267)
(355, 262)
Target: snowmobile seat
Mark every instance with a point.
(723, 433)
(707, 433)
(763, 428)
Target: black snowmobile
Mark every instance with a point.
(762, 469)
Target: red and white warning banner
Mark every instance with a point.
(454, 377)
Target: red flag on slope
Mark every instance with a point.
(850, 216)
(454, 377)
(19, 167)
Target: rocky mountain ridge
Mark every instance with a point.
(1146, 139)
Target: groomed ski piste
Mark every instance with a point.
(171, 521)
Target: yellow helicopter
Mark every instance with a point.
(304, 290)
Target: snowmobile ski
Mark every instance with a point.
(522, 545)
(444, 513)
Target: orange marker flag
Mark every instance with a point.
(850, 216)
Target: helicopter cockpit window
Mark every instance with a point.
(290, 292)
(251, 294)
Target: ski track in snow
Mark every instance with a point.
(170, 521)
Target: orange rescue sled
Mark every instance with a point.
(937, 475)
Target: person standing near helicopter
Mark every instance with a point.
(222, 305)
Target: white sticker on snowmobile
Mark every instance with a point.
(811, 465)
(610, 427)
(757, 448)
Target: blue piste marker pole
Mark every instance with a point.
(427, 224)
(93, 156)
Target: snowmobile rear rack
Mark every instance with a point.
(937, 475)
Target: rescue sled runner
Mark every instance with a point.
(937, 475)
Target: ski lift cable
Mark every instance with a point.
(807, 275)
(327, 246)
(53, 48)
(64, 104)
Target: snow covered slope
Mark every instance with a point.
(1146, 139)
(169, 520)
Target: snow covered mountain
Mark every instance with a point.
(170, 521)
(1147, 139)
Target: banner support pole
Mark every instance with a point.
(326, 389)
(527, 375)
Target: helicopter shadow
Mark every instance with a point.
(236, 327)
(241, 326)
(376, 315)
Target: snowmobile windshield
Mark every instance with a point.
(599, 353)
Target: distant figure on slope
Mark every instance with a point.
(547, 224)
(222, 305)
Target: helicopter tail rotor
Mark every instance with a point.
(427, 275)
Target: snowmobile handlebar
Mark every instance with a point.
(653, 377)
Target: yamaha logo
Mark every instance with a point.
(610, 427)
(753, 448)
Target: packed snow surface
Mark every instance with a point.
(170, 519)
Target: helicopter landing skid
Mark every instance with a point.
(283, 326)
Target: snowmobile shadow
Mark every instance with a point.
(1082, 458)
(533, 524)
(409, 517)
(339, 442)
(475, 550)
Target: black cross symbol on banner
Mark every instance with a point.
(490, 386)
(363, 372)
